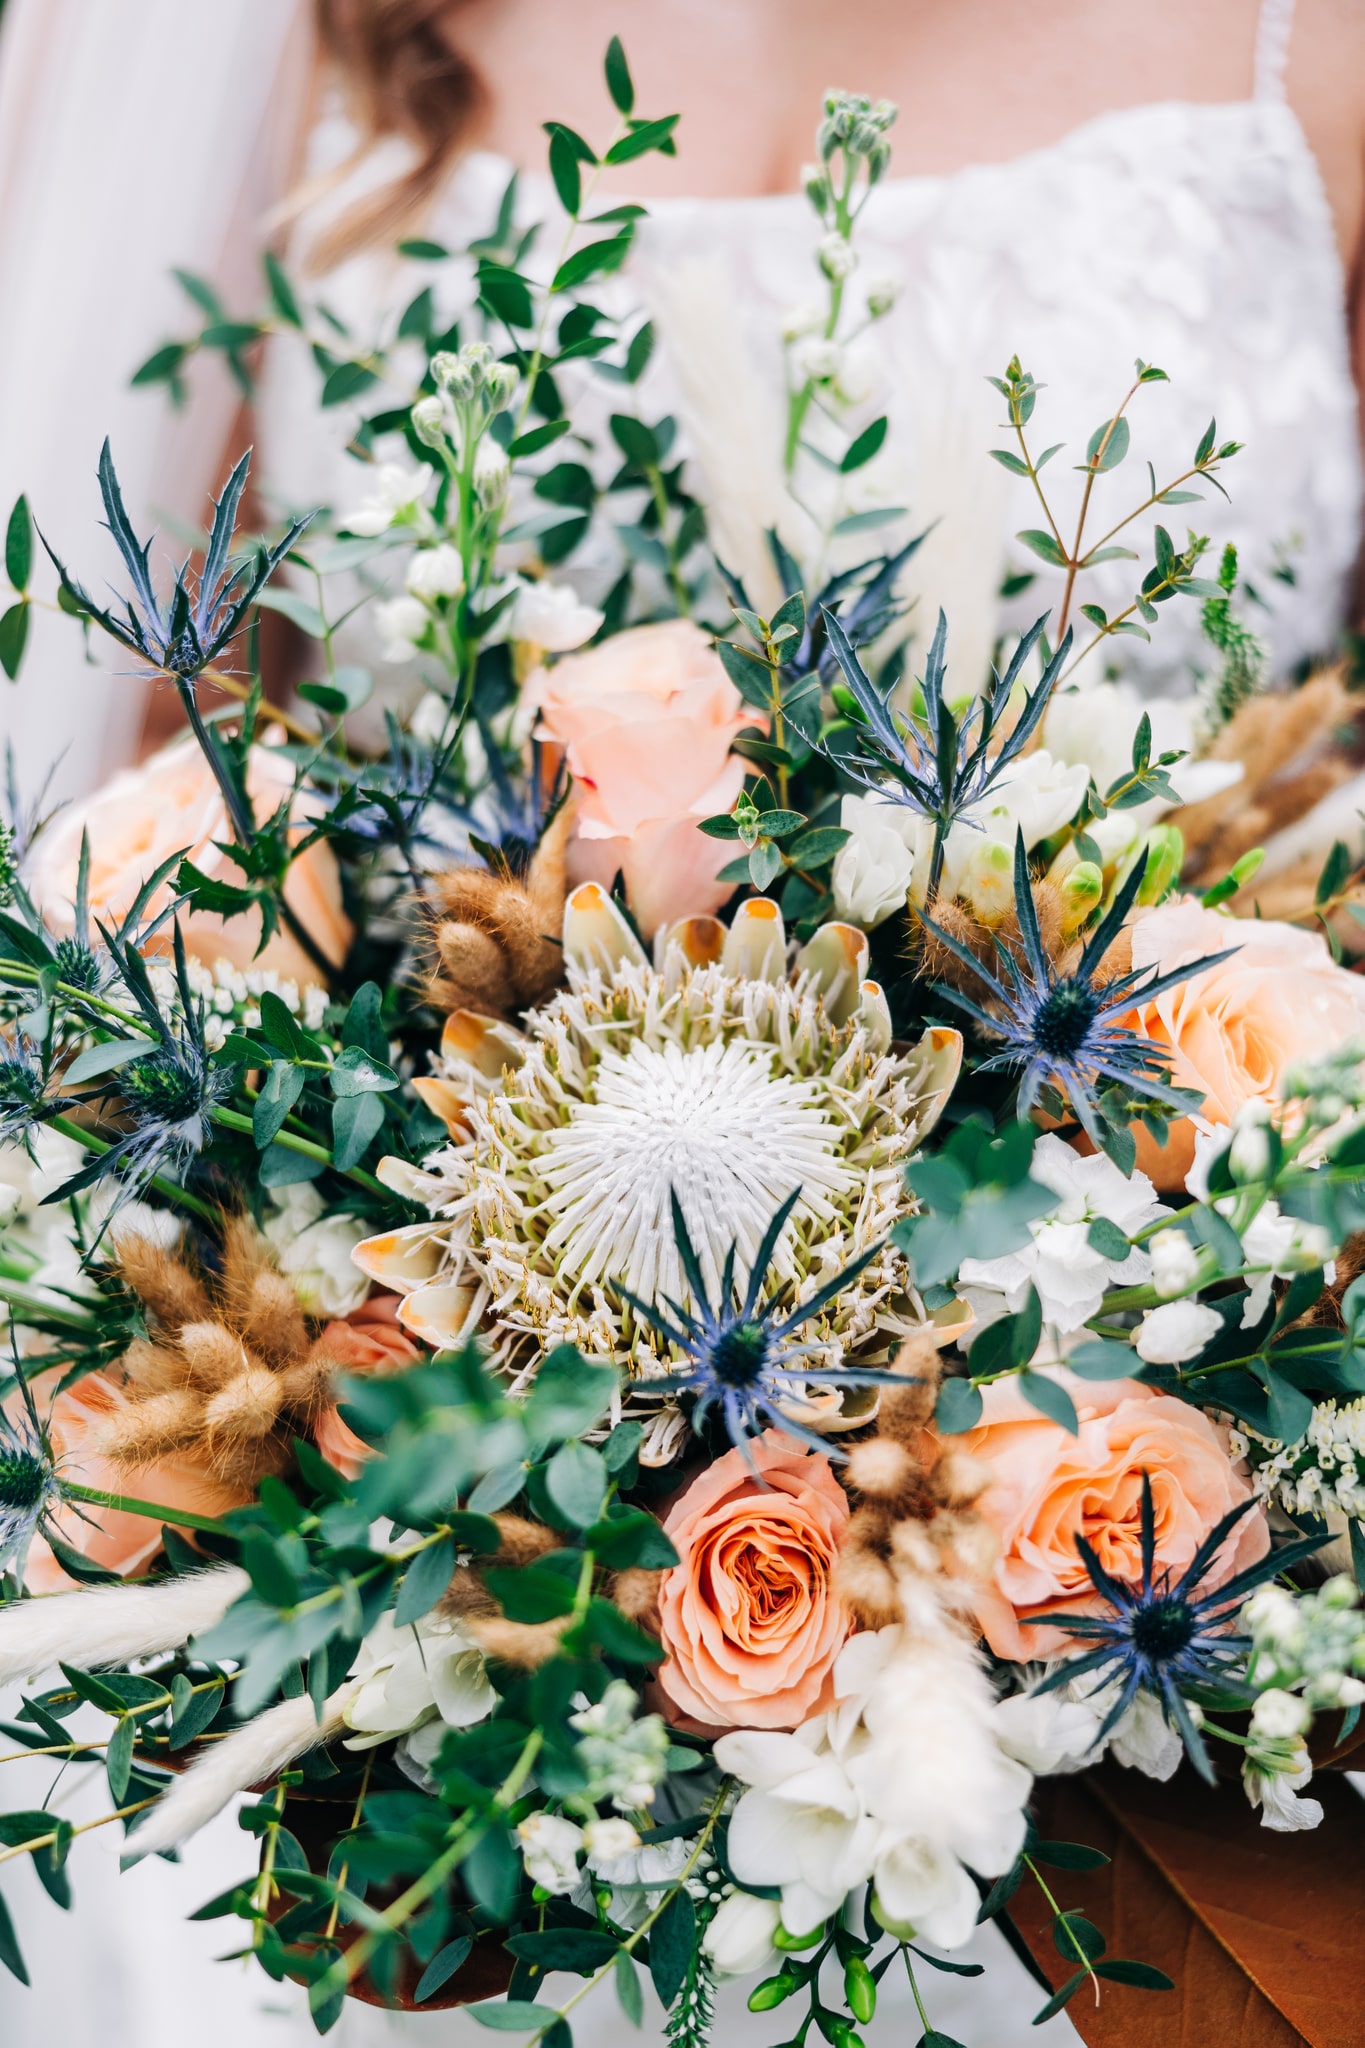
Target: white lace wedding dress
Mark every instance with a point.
(1198, 237)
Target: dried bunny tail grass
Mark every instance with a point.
(526, 1644)
(215, 1355)
(636, 1593)
(867, 1587)
(249, 1755)
(937, 963)
(110, 1624)
(882, 1468)
(522, 1542)
(146, 1430)
(165, 1283)
(246, 1408)
(495, 939)
(256, 1298)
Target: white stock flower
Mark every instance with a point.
(394, 493)
(551, 616)
(436, 572)
(1277, 1795)
(740, 1937)
(640, 1880)
(798, 321)
(314, 1251)
(401, 622)
(875, 870)
(1035, 796)
(492, 472)
(837, 257)
(1175, 1263)
(431, 720)
(417, 1682)
(1143, 1740)
(1070, 1275)
(1176, 1331)
(816, 360)
(1249, 1152)
(549, 1849)
(1278, 1713)
(609, 1838)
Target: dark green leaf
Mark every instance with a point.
(193, 1712)
(634, 1538)
(538, 438)
(619, 82)
(1142, 1974)
(512, 2015)
(492, 1870)
(281, 1090)
(356, 1122)
(424, 1581)
(645, 136)
(103, 1059)
(442, 1967)
(628, 1990)
(672, 1943)
(1042, 544)
(1061, 1997)
(347, 380)
(1336, 870)
(1068, 1856)
(1072, 1931)
(958, 1407)
(282, 294)
(19, 545)
(568, 182)
(594, 261)
(118, 1758)
(580, 1949)
(864, 447)
(576, 1481)
(530, 1593)
(570, 1394)
(10, 1954)
(13, 637)
(1050, 1399)
(813, 849)
(1107, 1239)
(1115, 448)
(358, 1072)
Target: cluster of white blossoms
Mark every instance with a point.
(722, 1074)
(1323, 1471)
(232, 996)
(415, 1683)
(904, 1783)
(1061, 1260)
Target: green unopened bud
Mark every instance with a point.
(1082, 888)
(771, 1992)
(860, 1989)
(499, 384)
(816, 187)
(454, 373)
(782, 1939)
(1165, 858)
(428, 421)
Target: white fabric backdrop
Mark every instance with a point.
(134, 135)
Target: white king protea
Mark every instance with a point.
(718, 1075)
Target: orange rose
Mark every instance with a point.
(1048, 1487)
(141, 816)
(749, 1615)
(646, 721)
(366, 1341)
(1233, 1030)
(120, 1542)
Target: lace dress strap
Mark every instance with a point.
(1273, 31)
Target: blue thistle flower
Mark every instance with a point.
(29, 1487)
(742, 1356)
(1164, 1638)
(1062, 1029)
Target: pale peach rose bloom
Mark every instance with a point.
(1048, 1487)
(749, 1615)
(142, 815)
(646, 722)
(123, 1543)
(1233, 1030)
(366, 1341)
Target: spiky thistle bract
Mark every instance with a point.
(29, 1487)
(1162, 1636)
(947, 762)
(743, 1358)
(1062, 1029)
(201, 617)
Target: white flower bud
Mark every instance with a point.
(1175, 1263)
(798, 321)
(815, 360)
(454, 373)
(606, 1839)
(429, 421)
(401, 622)
(1175, 1332)
(1278, 1714)
(436, 572)
(882, 294)
(838, 258)
(740, 1938)
(500, 383)
(492, 473)
(549, 1849)
(1249, 1152)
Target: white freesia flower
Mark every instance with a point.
(394, 492)
(436, 572)
(904, 1783)
(1070, 1275)
(1047, 1732)
(1176, 1331)
(401, 622)
(551, 616)
(876, 870)
(1175, 1263)
(740, 1937)
(415, 1683)
(549, 1849)
(314, 1251)
(640, 1879)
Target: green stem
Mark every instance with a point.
(914, 1990)
(233, 1120)
(127, 1504)
(168, 1188)
(1081, 1955)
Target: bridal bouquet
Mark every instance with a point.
(631, 1305)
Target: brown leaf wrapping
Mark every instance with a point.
(1261, 1931)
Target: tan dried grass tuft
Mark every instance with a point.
(494, 939)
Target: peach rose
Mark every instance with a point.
(646, 722)
(749, 1615)
(1233, 1030)
(142, 815)
(120, 1542)
(1048, 1487)
(366, 1341)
